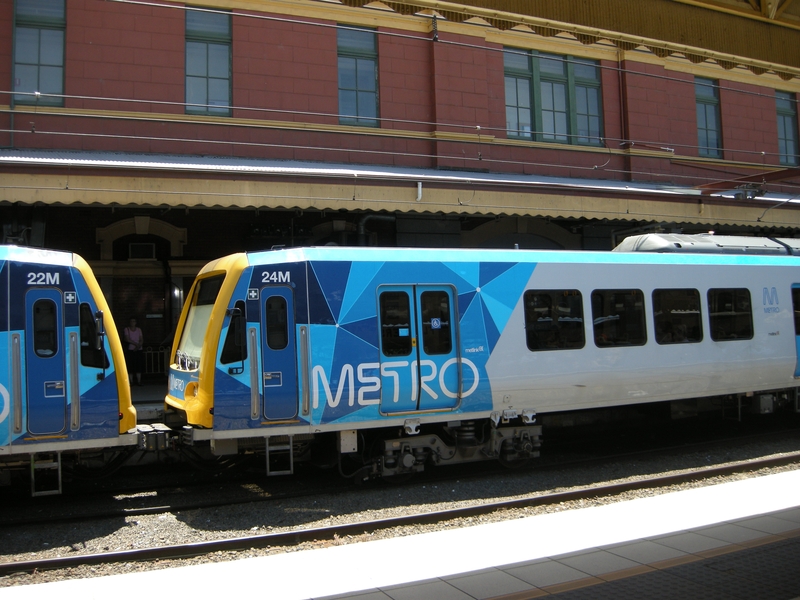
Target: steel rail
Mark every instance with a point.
(298, 536)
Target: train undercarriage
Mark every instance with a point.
(508, 437)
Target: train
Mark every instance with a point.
(63, 383)
(383, 361)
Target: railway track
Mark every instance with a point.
(204, 493)
(319, 534)
(228, 491)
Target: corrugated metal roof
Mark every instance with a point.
(130, 179)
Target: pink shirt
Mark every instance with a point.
(134, 338)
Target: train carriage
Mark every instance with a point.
(63, 383)
(406, 357)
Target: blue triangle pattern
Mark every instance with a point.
(351, 351)
(491, 328)
(464, 303)
(331, 277)
(361, 275)
(490, 271)
(365, 330)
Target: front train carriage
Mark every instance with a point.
(397, 358)
(355, 350)
(63, 386)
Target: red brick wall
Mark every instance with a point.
(661, 108)
(749, 123)
(124, 51)
(612, 107)
(405, 80)
(461, 83)
(464, 94)
(287, 67)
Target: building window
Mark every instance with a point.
(519, 83)
(552, 98)
(709, 140)
(39, 52)
(787, 127)
(208, 63)
(358, 76)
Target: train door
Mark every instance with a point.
(46, 365)
(796, 309)
(420, 369)
(279, 372)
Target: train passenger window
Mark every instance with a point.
(436, 338)
(730, 314)
(676, 314)
(796, 307)
(277, 323)
(91, 356)
(395, 324)
(45, 338)
(235, 350)
(618, 318)
(554, 320)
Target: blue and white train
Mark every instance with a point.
(63, 383)
(399, 358)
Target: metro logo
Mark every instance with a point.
(370, 385)
(770, 296)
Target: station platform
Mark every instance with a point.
(149, 401)
(738, 540)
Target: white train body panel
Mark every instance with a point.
(593, 376)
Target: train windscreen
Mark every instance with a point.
(194, 329)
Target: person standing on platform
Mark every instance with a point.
(134, 341)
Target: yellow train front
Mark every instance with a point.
(65, 401)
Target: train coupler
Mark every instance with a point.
(154, 437)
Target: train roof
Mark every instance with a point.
(36, 256)
(707, 243)
(453, 255)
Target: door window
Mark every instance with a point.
(45, 340)
(395, 324)
(277, 330)
(436, 338)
